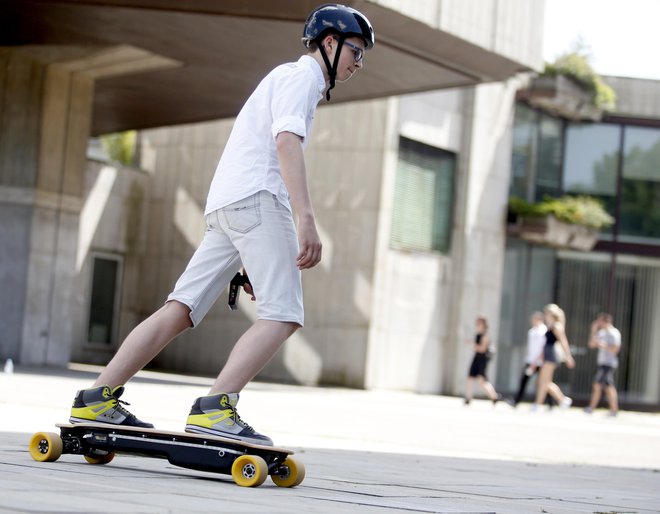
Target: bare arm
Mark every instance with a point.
(292, 164)
(594, 341)
(561, 337)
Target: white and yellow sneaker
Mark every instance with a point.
(102, 405)
(216, 415)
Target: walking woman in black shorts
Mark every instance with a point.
(479, 363)
(556, 322)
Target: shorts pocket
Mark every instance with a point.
(211, 221)
(244, 215)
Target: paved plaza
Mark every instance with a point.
(365, 451)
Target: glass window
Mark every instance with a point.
(536, 156)
(525, 129)
(591, 162)
(582, 291)
(633, 298)
(104, 299)
(548, 178)
(527, 285)
(423, 198)
(640, 191)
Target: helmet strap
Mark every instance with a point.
(332, 68)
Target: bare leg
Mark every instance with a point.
(469, 387)
(545, 378)
(612, 398)
(488, 387)
(556, 393)
(251, 353)
(145, 342)
(596, 391)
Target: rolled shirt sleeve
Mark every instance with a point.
(289, 123)
(294, 103)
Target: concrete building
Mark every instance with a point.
(74, 69)
(617, 159)
(410, 171)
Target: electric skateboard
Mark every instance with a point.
(248, 464)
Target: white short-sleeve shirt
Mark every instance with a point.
(535, 343)
(284, 101)
(612, 338)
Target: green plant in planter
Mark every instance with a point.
(576, 210)
(120, 146)
(575, 65)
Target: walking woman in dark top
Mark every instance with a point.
(556, 322)
(479, 363)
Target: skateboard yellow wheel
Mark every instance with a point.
(100, 459)
(290, 473)
(45, 446)
(249, 470)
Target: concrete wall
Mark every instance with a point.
(46, 95)
(636, 97)
(512, 28)
(43, 132)
(20, 110)
(426, 303)
(412, 304)
(113, 222)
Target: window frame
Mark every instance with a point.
(116, 305)
(443, 247)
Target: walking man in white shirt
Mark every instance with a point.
(259, 184)
(607, 339)
(535, 343)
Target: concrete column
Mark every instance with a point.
(65, 122)
(479, 236)
(46, 100)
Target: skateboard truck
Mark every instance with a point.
(239, 280)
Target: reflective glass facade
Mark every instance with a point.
(620, 164)
(640, 186)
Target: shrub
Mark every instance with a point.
(576, 66)
(577, 210)
(120, 146)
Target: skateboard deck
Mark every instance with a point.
(248, 464)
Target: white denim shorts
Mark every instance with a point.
(259, 234)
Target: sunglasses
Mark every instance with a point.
(358, 53)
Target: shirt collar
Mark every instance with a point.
(313, 64)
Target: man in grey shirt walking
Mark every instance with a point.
(607, 339)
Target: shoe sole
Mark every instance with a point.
(83, 421)
(195, 429)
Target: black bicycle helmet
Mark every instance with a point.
(341, 20)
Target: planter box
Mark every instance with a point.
(549, 231)
(561, 96)
(584, 238)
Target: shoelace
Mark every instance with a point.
(239, 421)
(117, 407)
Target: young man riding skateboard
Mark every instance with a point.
(259, 183)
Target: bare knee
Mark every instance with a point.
(292, 327)
(280, 329)
(179, 313)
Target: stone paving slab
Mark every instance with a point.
(470, 460)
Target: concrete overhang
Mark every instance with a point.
(200, 59)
